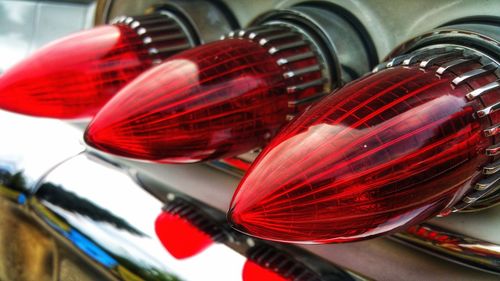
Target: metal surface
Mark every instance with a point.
(81, 176)
(379, 258)
(453, 246)
(103, 215)
(112, 190)
(209, 21)
(271, 35)
(387, 23)
(93, 211)
(206, 19)
(161, 32)
(21, 158)
(480, 43)
(341, 45)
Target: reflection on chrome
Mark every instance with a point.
(194, 231)
(31, 146)
(102, 219)
(468, 251)
(111, 219)
(106, 215)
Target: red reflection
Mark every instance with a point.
(238, 163)
(254, 272)
(180, 238)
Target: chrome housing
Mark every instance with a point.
(479, 42)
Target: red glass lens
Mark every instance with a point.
(214, 101)
(181, 238)
(390, 150)
(73, 77)
(254, 272)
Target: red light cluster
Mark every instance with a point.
(214, 101)
(387, 151)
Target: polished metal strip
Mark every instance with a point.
(253, 29)
(301, 71)
(164, 28)
(301, 87)
(473, 197)
(269, 39)
(493, 150)
(175, 36)
(299, 57)
(309, 99)
(151, 22)
(413, 58)
(488, 110)
(169, 49)
(489, 68)
(486, 202)
(453, 246)
(142, 30)
(277, 49)
(454, 63)
(379, 67)
(492, 168)
(230, 34)
(469, 199)
(483, 90)
(432, 60)
(396, 61)
(492, 131)
(487, 182)
(270, 30)
(128, 20)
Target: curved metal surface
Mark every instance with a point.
(482, 43)
(338, 41)
(278, 37)
(206, 20)
(113, 220)
(453, 246)
(31, 146)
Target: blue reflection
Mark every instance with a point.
(91, 249)
(21, 199)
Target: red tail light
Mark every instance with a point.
(73, 77)
(184, 231)
(385, 152)
(220, 99)
(226, 98)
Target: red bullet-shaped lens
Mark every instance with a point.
(389, 150)
(214, 101)
(75, 76)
